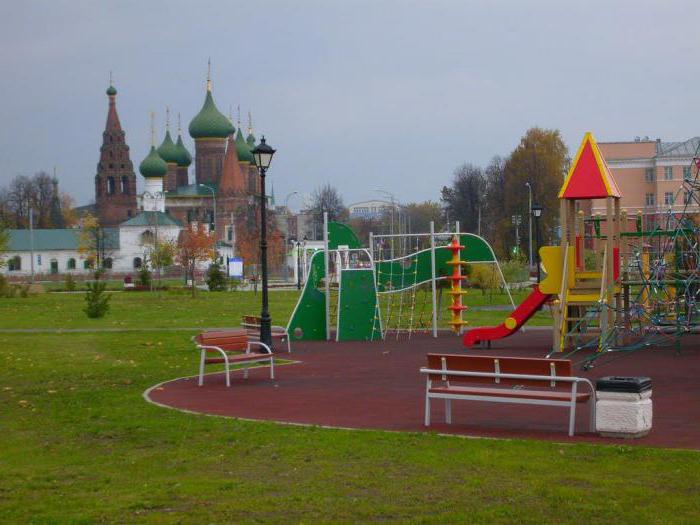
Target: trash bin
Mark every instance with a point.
(623, 406)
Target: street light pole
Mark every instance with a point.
(537, 212)
(300, 246)
(298, 265)
(478, 223)
(529, 222)
(516, 220)
(286, 199)
(263, 156)
(213, 196)
(31, 239)
(287, 237)
(394, 201)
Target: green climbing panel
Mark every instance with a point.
(308, 321)
(357, 306)
(341, 235)
(416, 268)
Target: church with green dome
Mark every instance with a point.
(224, 171)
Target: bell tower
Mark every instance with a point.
(115, 181)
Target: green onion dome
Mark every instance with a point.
(250, 139)
(167, 150)
(111, 91)
(242, 149)
(153, 165)
(209, 122)
(184, 158)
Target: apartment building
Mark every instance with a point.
(651, 175)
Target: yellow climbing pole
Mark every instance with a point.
(456, 307)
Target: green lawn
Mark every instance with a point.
(175, 308)
(79, 444)
(171, 309)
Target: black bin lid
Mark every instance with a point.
(623, 384)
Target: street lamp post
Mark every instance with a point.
(299, 249)
(213, 196)
(286, 199)
(394, 202)
(529, 222)
(298, 263)
(537, 212)
(31, 241)
(288, 238)
(263, 156)
(516, 220)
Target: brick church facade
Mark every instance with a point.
(115, 181)
(226, 187)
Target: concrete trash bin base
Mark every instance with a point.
(623, 407)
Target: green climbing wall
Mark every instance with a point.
(308, 321)
(357, 306)
(341, 235)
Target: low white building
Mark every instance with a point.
(123, 249)
(372, 209)
(139, 233)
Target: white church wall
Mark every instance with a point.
(131, 243)
(42, 262)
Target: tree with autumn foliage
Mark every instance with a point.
(499, 191)
(542, 160)
(247, 227)
(93, 244)
(194, 245)
(248, 247)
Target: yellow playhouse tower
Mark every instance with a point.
(587, 288)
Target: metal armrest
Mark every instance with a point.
(220, 350)
(590, 385)
(269, 350)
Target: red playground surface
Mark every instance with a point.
(377, 385)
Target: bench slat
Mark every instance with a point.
(228, 340)
(549, 395)
(241, 358)
(503, 365)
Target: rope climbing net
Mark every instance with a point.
(660, 279)
(404, 284)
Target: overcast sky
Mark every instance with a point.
(363, 95)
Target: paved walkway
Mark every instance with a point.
(378, 386)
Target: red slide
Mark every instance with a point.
(513, 322)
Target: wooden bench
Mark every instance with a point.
(505, 380)
(252, 325)
(231, 347)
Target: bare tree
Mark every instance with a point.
(326, 199)
(43, 191)
(465, 197)
(40, 193)
(21, 197)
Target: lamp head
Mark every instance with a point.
(263, 154)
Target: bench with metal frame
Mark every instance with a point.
(231, 347)
(252, 325)
(505, 380)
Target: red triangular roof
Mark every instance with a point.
(589, 176)
(232, 179)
